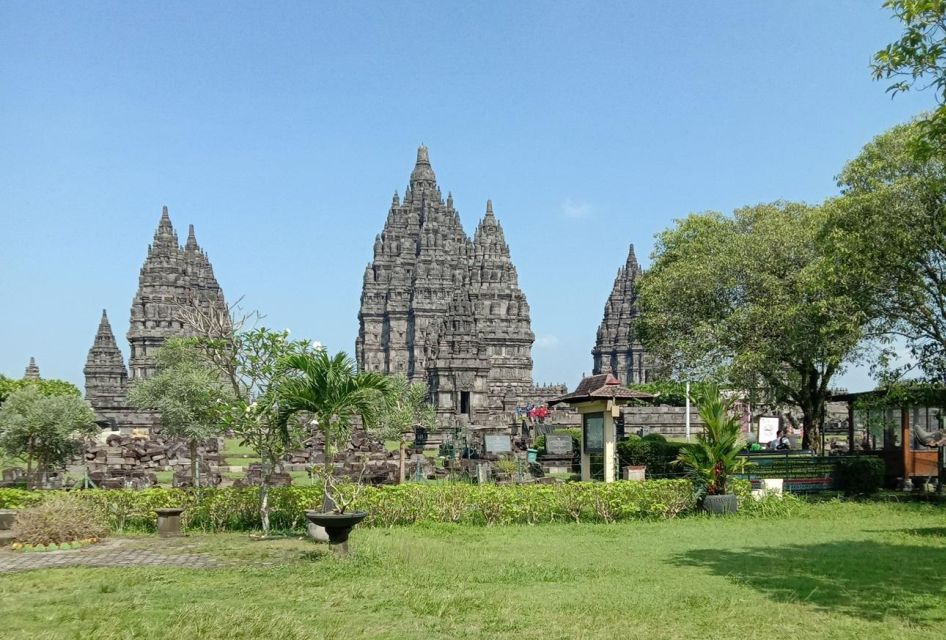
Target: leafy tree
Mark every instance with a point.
(888, 236)
(249, 362)
(750, 301)
(50, 387)
(188, 395)
(47, 430)
(330, 391)
(408, 408)
(918, 59)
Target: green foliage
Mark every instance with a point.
(715, 454)
(747, 300)
(887, 234)
(860, 476)
(62, 518)
(658, 455)
(331, 391)
(408, 408)
(50, 387)
(918, 58)
(185, 391)
(668, 392)
(406, 504)
(47, 430)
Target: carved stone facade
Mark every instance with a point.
(172, 277)
(443, 309)
(618, 350)
(32, 370)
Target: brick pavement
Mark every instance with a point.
(111, 553)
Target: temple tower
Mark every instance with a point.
(458, 364)
(106, 379)
(424, 268)
(171, 278)
(502, 312)
(617, 349)
(32, 370)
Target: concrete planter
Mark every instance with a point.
(7, 518)
(338, 526)
(169, 522)
(720, 504)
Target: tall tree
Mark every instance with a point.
(46, 387)
(749, 301)
(250, 362)
(888, 236)
(409, 407)
(47, 430)
(918, 60)
(188, 395)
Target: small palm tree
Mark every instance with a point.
(715, 454)
(332, 392)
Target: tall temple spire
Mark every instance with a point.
(617, 349)
(423, 175)
(32, 371)
(106, 379)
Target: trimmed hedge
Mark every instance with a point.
(652, 451)
(863, 475)
(235, 509)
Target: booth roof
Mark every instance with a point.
(603, 386)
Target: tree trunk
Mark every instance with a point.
(29, 465)
(328, 503)
(264, 496)
(195, 468)
(403, 467)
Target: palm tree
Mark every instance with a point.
(715, 454)
(332, 392)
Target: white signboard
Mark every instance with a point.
(768, 430)
(497, 444)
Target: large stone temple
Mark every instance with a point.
(172, 278)
(618, 349)
(447, 310)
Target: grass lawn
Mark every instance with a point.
(834, 571)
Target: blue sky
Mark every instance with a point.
(280, 130)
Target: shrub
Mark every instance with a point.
(233, 509)
(655, 437)
(59, 519)
(862, 475)
(656, 454)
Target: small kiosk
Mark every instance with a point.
(598, 400)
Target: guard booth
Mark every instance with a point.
(598, 399)
(904, 426)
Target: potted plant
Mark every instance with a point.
(715, 454)
(330, 391)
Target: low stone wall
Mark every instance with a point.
(669, 422)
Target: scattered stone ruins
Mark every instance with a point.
(446, 310)
(618, 349)
(172, 277)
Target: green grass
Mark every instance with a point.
(834, 571)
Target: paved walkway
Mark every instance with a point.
(112, 553)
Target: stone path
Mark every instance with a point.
(112, 553)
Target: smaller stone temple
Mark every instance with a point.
(172, 277)
(618, 350)
(32, 371)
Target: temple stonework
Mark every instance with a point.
(172, 277)
(618, 350)
(32, 370)
(446, 310)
